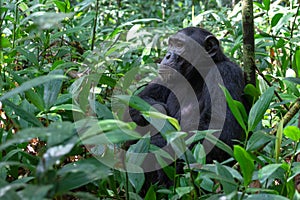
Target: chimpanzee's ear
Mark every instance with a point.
(211, 45)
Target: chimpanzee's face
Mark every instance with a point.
(187, 48)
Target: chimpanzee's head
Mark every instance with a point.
(189, 48)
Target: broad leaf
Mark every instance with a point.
(52, 89)
(258, 139)
(31, 84)
(292, 132)
(234, 108)
(258, 110)
(27, 116)
(83, 172)
(226, 179)
(246, 163)
(265, 172)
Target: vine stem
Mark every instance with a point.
(95, 24)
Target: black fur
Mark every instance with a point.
(174, 99)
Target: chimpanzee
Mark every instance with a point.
(188, 89)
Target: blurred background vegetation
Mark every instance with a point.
(52, 52)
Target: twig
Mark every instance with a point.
(289, 115)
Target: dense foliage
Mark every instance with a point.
(67, 68)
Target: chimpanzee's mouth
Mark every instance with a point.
(165, 72)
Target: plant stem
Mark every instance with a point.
(292, 34)
(95, 25)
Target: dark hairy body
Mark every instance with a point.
(188, 89)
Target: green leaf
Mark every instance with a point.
(36, 191)
(258, 110)
(258, 139)
(266, 4)
(177, 142)
(252, 91)
(234, 108)
(158, 115)
(136, 152)
(246, 163)
(198, 135)
(297, 59)
(199, 154)
(227, 179)
(137, 178)
(32, 96)
(56, 133)
(62, 6)
(292, 132)
(64, 107)
(102, 111)
(211, 138)
(265, 172)
(59, 132)
(259, 5)
(52, 89)
(76, 175)
(265, 196)
(107, 80)
(293, 79)
(27, 116)
(96, 136)
(5, 42)
(282, 21)
(106, 132)
(67, 32)
(30, 84)
(278, 140)
(242, 110)
(151, 195)
(295, 170)
(28, 55)
(10, 191)
(161, 122)
(183, 190)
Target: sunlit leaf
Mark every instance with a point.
(183, 190)
(266, 4)
(292, 132)
(246, 163)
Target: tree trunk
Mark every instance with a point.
(248, 42)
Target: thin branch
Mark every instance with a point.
(95, 24)
(289, 115)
